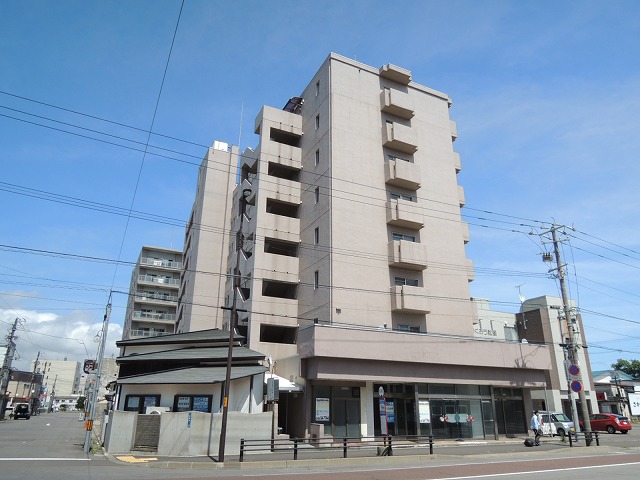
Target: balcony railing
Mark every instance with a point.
(147, 333)
(155, 316)
(159, 262)
(142, 297)
(163, 280)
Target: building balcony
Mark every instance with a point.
(160, 263)
(404, 213)
(461, 197)
(280, 153)
(152, 279)
(402, 174)
(146, 333)
(454, 130)
(280, 189)
(456, 162)
(155, 298)
(466, 236)
(471, 274)
(407, 255)
(280, 227)
(396, 103)
(399, 137)
(409, 299)
(395, 73)
(279, 268)
(164, 317)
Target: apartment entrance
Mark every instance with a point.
(346, 417)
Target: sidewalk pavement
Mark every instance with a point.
(312, 457)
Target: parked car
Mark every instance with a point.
(563, 425)
(21, 410)
(608, 422)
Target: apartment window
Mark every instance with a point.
(402, 196)
(316, 236)
(317, 121)
(317, 194)
(317, 157)
(412, 282)
(317, 88)
(402, 236)
(316, 279)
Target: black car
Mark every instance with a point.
(21, 410)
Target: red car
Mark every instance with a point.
(608, 422)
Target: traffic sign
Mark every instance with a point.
(576, 386)
(574, 370)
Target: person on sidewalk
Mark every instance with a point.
(536, 426)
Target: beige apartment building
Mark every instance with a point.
(153, 293)
(347, 234)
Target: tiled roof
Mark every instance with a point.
(193, 375)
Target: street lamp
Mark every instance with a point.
(233, 320)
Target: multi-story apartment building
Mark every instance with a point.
(206, 243)
(153, 293)
(348, 244)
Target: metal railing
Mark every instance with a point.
(588, 438)
(382, 446)
(154, 279)
(160, 262)
(154, 316)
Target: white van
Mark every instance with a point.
(556, 423)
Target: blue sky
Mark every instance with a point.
(546, 96)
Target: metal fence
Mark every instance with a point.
(375, 446)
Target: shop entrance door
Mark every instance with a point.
(346, 417)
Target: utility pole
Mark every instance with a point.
(96, 385)
(233, 321)
(31, 385)
(6, 367)
(573, 343)
(53, 394)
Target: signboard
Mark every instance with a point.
(89, 366)
(201, 404)
(634, 403)
(424, 411)
(322, 409)
(391, 418)
(576, 386)
(383, 416)
(184, 404)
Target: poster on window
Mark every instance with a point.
(424, 411)
(184, 404)
(150, 401)
(133, 403)
(322, 409)
(201, 404)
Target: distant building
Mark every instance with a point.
(61, 380)
(153, 293)
(542, 322)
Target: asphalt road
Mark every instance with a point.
(51, 447)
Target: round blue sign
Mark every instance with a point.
(574, 370)
(576, 386)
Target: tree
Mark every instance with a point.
(630, 367)
(80, 404)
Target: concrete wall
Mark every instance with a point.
(120, 431)
(189, 433)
